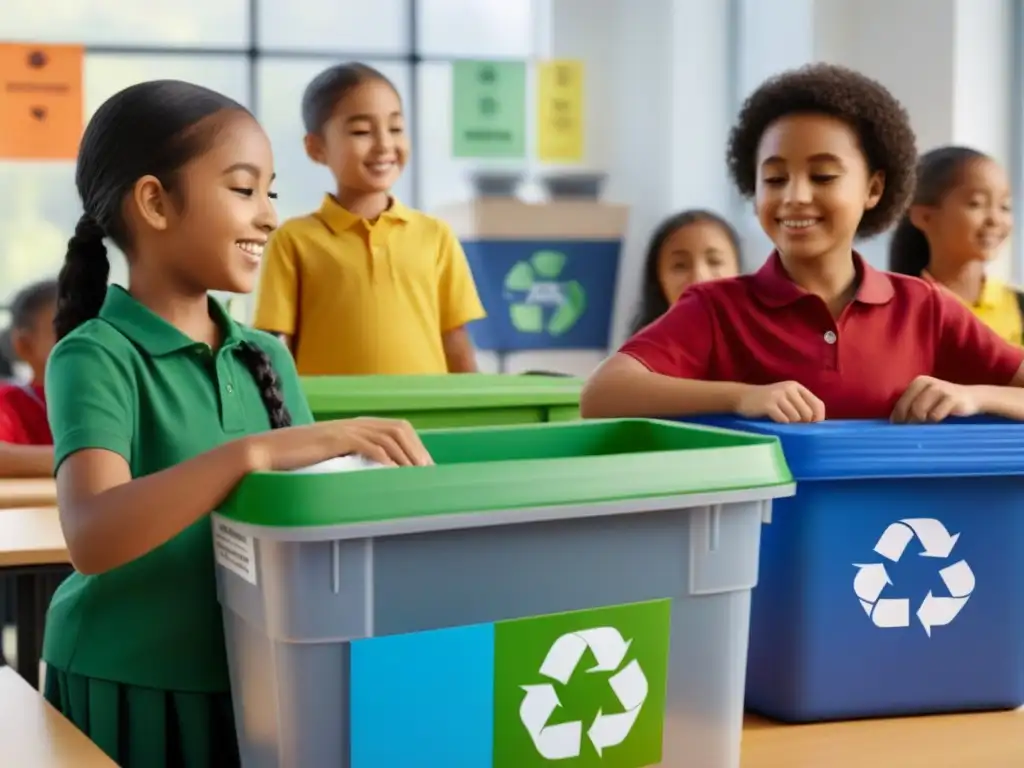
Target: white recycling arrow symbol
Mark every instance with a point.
(564, 741)
(934, 611)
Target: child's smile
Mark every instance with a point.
(253, 250)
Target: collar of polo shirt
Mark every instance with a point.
(338, 218)
(154, 334)
(774, 287)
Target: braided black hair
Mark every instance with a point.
(82, 283)
(327, 89)
(262, 369)
(149, 129)
(653, 302)
(938, 173)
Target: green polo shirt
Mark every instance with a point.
(131, 383)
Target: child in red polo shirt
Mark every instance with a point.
(26, 445)
(827, 155)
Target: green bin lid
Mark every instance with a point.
(498, 469)
(463, 391)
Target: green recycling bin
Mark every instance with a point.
(453, 400)
(575, 592)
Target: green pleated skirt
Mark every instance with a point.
(147, 728)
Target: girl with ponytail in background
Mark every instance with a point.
(159, 404)
(960, 217)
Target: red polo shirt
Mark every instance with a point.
(763, 328)
(23, 415)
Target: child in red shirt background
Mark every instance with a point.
(828, 155)
(26, 445)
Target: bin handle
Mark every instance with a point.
(715, 528)
(336, 566)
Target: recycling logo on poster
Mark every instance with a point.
(872, 579)
(563, 741)
(538, 301)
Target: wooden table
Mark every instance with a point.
(35, 735)
(28, 493)
(985, 740)
(31, 536)
(32, 550)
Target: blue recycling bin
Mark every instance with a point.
(544, 294)
(546, 272)
(891, 583)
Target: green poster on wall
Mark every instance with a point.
(489, 109)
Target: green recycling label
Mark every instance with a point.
(582, 690)
(535, 285)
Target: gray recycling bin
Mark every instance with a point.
(571, 593)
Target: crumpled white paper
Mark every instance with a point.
(350, 463)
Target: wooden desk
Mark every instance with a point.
(28, 493)
(31, 536)
(32, 733)
(986, 740)
(33, 552)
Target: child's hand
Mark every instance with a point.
(390, 442)
(387, 441)
(930, 400)
(786, 402)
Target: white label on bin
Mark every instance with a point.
(235, 551)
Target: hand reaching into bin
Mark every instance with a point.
(111, 518)
(388, 442)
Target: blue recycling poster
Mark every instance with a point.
(544, 294)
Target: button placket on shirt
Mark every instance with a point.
(231, 408)
(830, 339)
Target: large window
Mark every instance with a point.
(262, 53)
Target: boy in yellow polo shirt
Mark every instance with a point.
(366, 285)
(960, 217)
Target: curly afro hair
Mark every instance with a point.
(880, 121)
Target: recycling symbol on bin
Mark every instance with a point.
(534, 292)
(564, 741)
(934, 610)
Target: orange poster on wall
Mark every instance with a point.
(41, 109)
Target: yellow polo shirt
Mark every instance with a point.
(362, 297)
(998, 307)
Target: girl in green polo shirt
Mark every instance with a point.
(159, 404)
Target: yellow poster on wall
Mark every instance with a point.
(560, 111)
